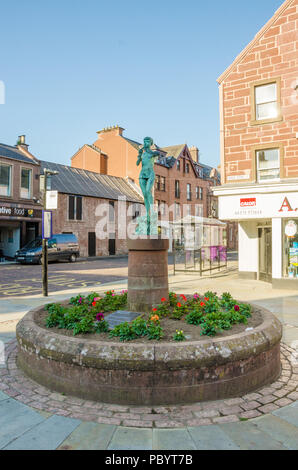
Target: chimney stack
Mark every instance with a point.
(116, 130)
(22, 142)
(194, 151)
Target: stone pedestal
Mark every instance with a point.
(147, 273)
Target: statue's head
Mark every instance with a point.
(148, 142)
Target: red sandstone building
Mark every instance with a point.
(20, 209)
(259, 150)
(183, 183)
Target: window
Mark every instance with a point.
(177, 189)
(162, 183)
(157, 182)
(268, 164)
(199, 210)
(163, 207)
(5, 180)
(188, 192)
(135, 211)
(111, 211)
(197, 192)
(177, 209)
(75, 207)
(178, 165)
(201, 193)
(266, 103)
(186, 167)
(26, 176)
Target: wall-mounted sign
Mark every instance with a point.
(52, 200)
(9, 211)
(46, 225)
(248, 202)
(291, 229)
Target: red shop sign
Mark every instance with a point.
(249, 202)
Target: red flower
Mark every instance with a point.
(202, 304)
(183, 297)
(236, 308)
(154, 310)
(163, 299)
(206, 298)
(94, 304)
(179, 305)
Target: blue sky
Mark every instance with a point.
(72, 67)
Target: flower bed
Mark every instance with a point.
(180, 318)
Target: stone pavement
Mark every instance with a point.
(31, 417)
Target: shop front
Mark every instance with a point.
(267, 218)
(18, 226)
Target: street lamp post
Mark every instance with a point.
(45, 290)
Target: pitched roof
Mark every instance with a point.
(262, 31)
(75, 181)
(13, 153)
(174, 150)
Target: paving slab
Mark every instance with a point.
(89, 436)
(211, 438)
(279, 430)
(47, 435)
(15, 419)
(3, 396)
(172, 439)
(288, 413)
(131, 439)
(249, 437)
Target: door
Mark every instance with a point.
(112, 246)
(265, 254)
(91, 244)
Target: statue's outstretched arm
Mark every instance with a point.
(155, 154)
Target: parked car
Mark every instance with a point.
(62, 246)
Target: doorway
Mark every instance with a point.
(91, 244)
(265, 254)
(112, 245)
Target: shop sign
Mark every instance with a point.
(291, 228)
(248, 202)
(18, 212)
(52, 199)
(47, 225)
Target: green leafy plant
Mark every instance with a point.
(179, 336)
(154, 330)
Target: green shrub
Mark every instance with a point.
(179, 336)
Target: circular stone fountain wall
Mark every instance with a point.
(151, 373)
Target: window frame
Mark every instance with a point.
(10, 180)
(259, 122)
(75, 196)
(270, 146)
(30, 183)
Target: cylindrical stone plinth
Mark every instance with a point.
(147, 273)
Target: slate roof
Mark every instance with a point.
(13, 153)
(87, 183)
(174, 150)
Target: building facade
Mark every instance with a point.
(98, 209)
(259, 150)
(20, 207)
(182, 185)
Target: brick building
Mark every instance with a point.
(183, 183)
(259, 150)
(94, 208)
(20, 209)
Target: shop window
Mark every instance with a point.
(268, 164)
(290, 251)
(266, 105)
(5, 180)
(75, 207)
(26, 176)
(10, 236)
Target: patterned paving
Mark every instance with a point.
(268, 400)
